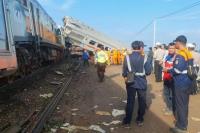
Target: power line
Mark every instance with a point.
(167, 15)
(180, 10)
(143, 29)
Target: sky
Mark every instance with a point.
(123, 19)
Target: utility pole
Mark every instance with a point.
(154, 32)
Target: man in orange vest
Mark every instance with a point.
(118, 57)
(182, 84)
(115, 57)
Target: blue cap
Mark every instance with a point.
(137, 44)
(181, 39)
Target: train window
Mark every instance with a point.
(24, 2)
(52, 27)
(92, 42)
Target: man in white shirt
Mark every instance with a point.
(158, 58)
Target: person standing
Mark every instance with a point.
(150, 53)
(168, 83)
(196, 65)
(85, 58)
(118, 57)
(140, 68)
(109, 56)
(158, 57)
(182, 84)
(101, 60)
(154, 62)
(115, 56)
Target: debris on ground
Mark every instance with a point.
(75, 109)
(72, 129)
(110, 104)
(115, 97)
(74, 114)
(125, 101)
(103, 113)
(112, 129)
(117, 112)
(66, 124)
(97, 128)
(111, 123)
(56, 83)
(59, 73)
(195, 119)
(53, 130)
(67, 94)
(83, 72)
(96, 106)
(49, 95)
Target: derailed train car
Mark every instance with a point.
(29, 37)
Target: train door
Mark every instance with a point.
(3, 35)
(33, 19)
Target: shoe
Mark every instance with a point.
(140, 123)
(177, 130)
(125, 122)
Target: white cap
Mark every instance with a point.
(190, 45)
(158, 44)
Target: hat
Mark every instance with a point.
(137, 44)
(158, 44)
(181, 39)
(190, 45)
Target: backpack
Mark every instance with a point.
(192, 72)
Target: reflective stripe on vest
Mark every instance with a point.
(180, 72)
(128, 63)
(142, 74)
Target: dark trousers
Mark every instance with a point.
(101, 67)
(131, 93)
(168, 95)
(155, 67)
(158, 71)
(86, 62)
(181, 104)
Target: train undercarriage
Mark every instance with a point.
(31, 58)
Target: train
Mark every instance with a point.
(29, 38)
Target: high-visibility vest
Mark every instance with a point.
(102, 57)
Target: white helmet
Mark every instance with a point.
(158, 44)
(190, 45)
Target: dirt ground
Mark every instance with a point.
(87, 96)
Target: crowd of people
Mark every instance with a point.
(103, 57)
(176, 65)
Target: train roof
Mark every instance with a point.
(36, 1)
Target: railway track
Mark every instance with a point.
(35, 122)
